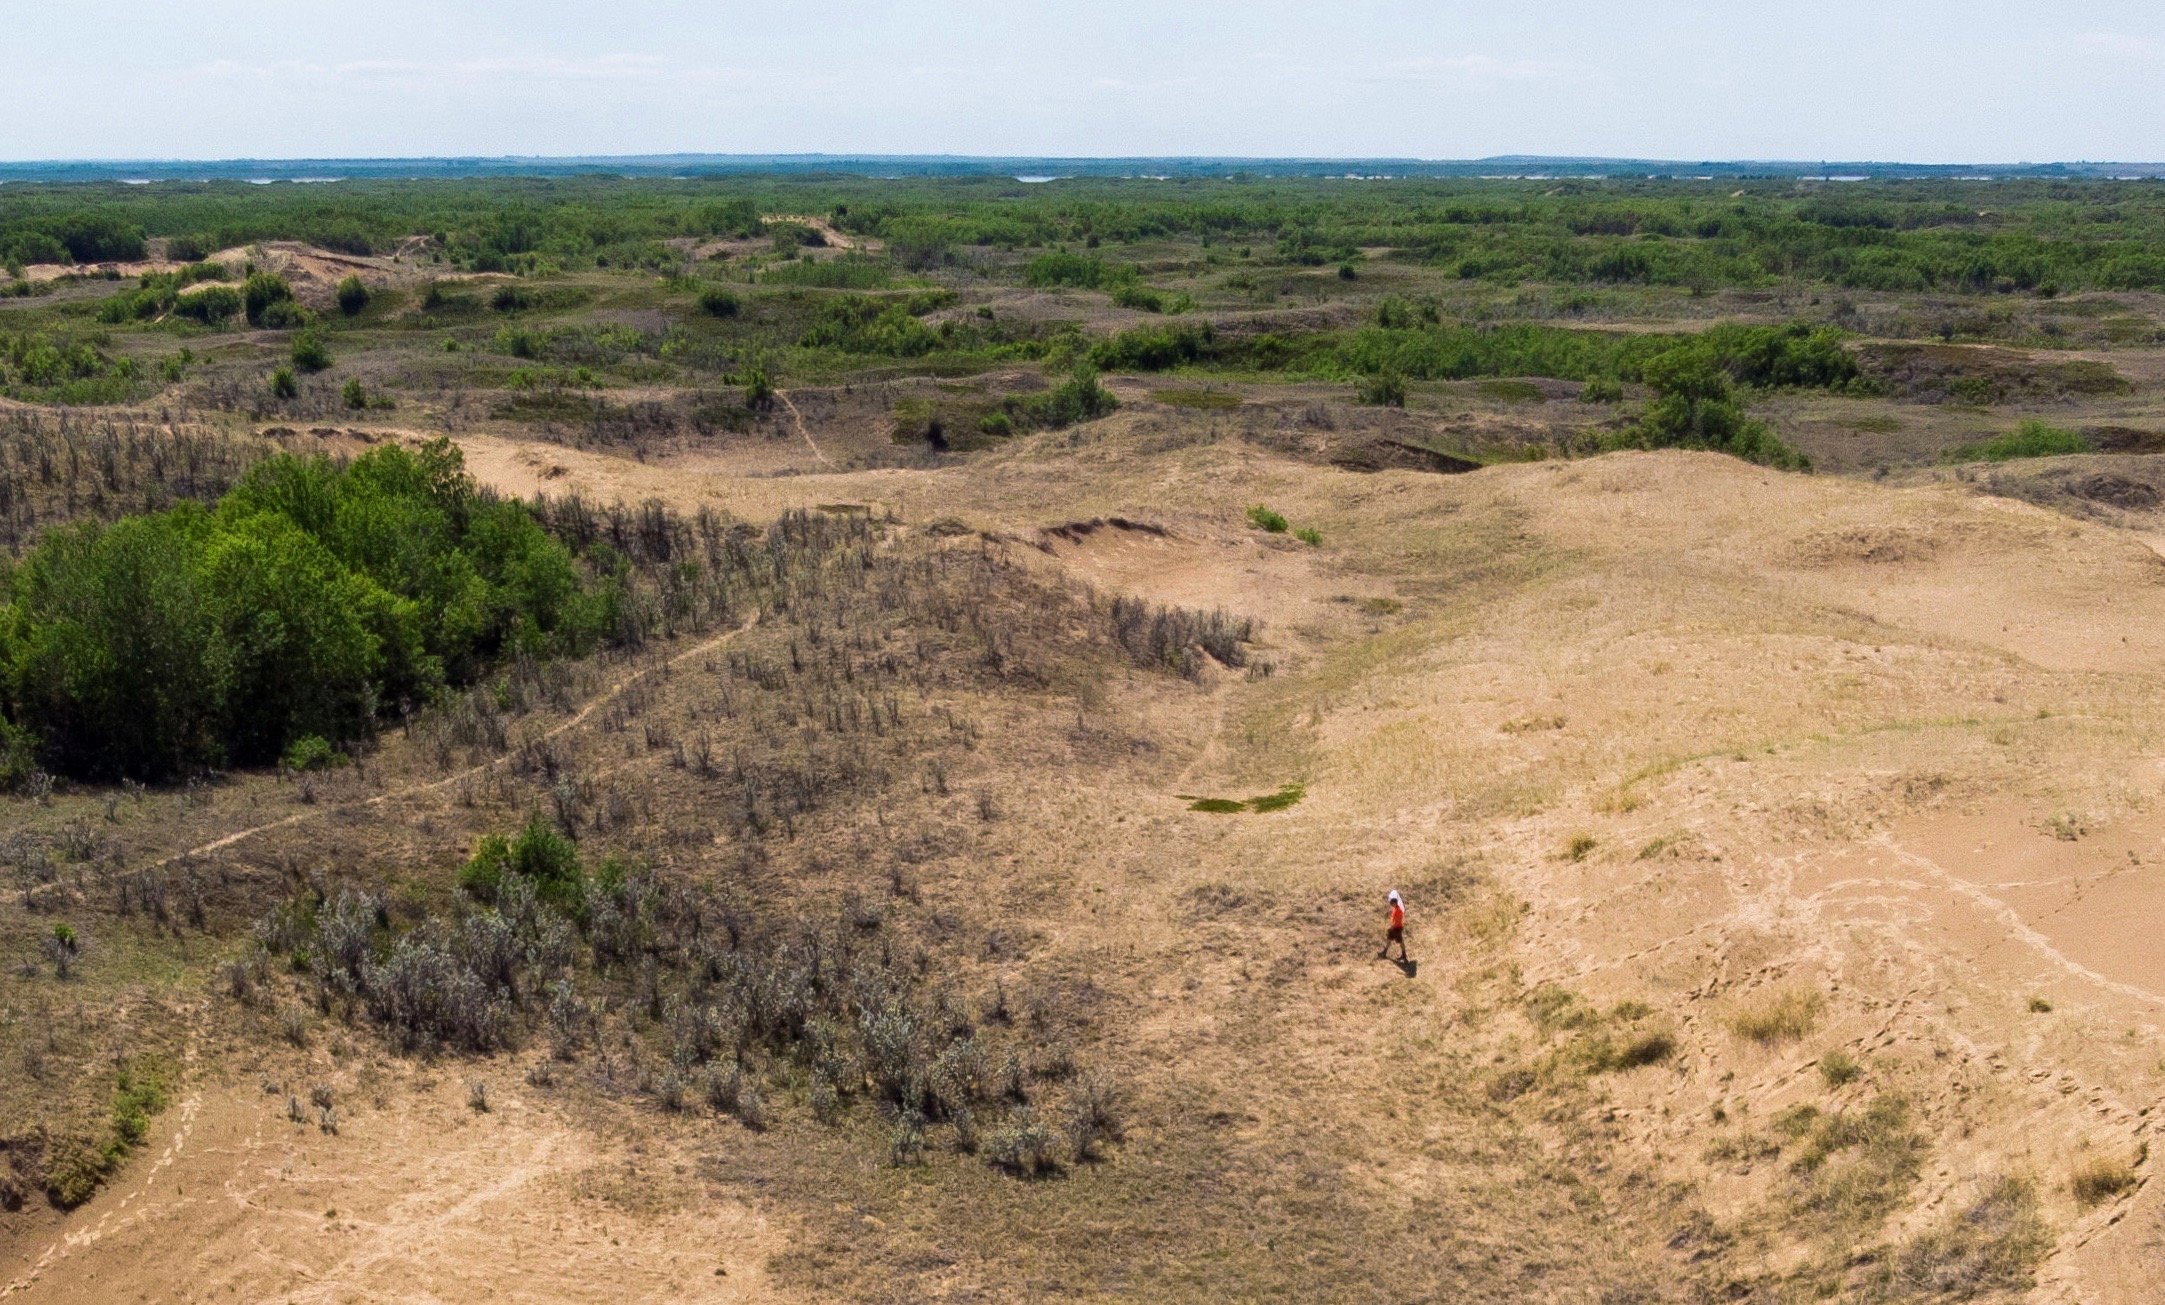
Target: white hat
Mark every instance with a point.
(1393, 897)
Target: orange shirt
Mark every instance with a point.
(1398, 915)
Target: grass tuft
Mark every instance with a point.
(1784, 1016)
(2101, 1179)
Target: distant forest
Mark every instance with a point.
(1970, 237)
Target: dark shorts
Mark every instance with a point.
(1396, 933)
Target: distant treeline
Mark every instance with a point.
(1791, 356)
(1894, 235)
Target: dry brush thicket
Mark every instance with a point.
(61, 466)
(700, 979)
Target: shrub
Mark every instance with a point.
(1263, 518)
(1154, 348)
(283, 384)
(1061, 269)
(864, 324)
(715, 301)
(2031, 439)
(1396, 314)
(1092, 1118)
(310, 353)
(1023, 1146)
(52, 367)
(353, 296)
(849, 272)
(1602, 389)
(212, 305)
(353, 394)
(758, 388)
(1285, 799)
(1838, 1068)
(1310, 536)
(546, 859)
(1385, 389)
(1171, 636)
(906, 1140)
(826, 1102)
(260, 293)
(520, 341)
(1695, 407)
(77, 1166)
(917, 420)
(1142, 298)
(311, 752)
(1079, 398)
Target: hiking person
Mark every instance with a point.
(1396, 933)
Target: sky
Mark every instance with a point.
(1926, 81)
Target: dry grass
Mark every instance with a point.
(2100, 1179)
(1783, 1016)
(1988, 1247)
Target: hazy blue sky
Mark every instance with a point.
(1916, 80)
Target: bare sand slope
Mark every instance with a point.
(1717, 736)
(1900, 747)
(417, 1198)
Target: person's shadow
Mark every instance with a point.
(1408, 968)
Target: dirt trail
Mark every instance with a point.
(577, 719)
(797, 419)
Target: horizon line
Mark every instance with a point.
(949, 157)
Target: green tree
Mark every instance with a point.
(261, 293)
(118, 660)
(302, 658)
(1695, 406)
(310, 353)
(352, 296)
